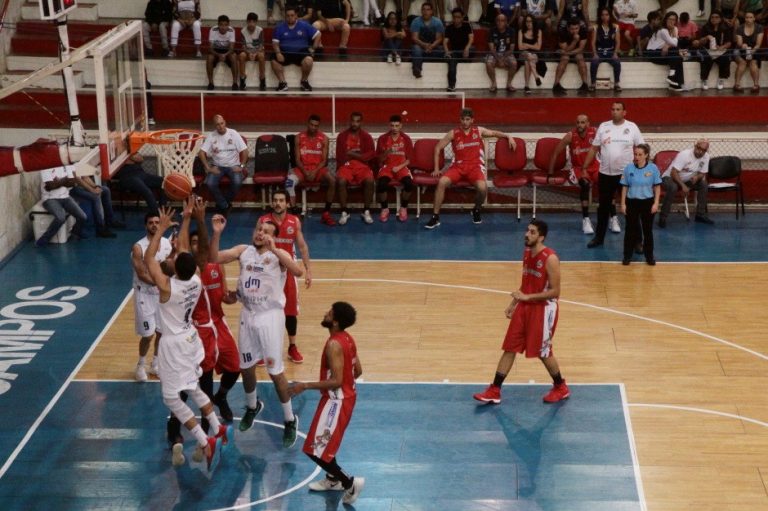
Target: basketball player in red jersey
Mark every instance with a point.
(394, 149)
(468, 163)
(311, 157)
(339, 368)
(579, 142)
(290, 233)
(533, 314)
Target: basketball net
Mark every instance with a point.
(176, 150)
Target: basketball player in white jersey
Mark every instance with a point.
(145, 294)
(260, 289)
(182, 351)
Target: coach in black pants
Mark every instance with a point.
(640, 193)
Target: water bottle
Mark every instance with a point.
(749, 54)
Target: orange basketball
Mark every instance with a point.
(177, 186)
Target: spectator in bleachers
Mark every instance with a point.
(757, 7)
(394, 149)
(186, 14)
(334, 15)
(465, 4)
(625, 12)
(392, 35)
(135, 179)
(688, 171)
(427, 34)
(662, 50)
(729, 9)
(645, 33)
(403, 9)
(311, 158)
(529, 44)
(252, 37)
(569, 10)
(223, 153)
(293, 42)
(748, 52)
(271, 10)
(377, 17)
(715, 39)
(157, 18)
(222, 50)
(509, 8)
(687, 32)
(55, 185)
(501, 53)
(605, 48)
(457, 44)
(304, 9)
(572, 44)
(541, 10)
(354, 153)
(100, 199)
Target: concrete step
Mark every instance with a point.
(53, 82)
(83, 12)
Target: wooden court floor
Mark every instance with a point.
(687, 340)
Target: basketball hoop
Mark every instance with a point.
(176, 150)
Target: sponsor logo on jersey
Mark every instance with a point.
(290, 230)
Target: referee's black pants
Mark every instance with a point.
(639, 217)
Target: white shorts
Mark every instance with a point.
(261, 337)
(146, 308)
(179, 358)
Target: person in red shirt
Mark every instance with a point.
(579, 142)
(291, 234)
(311, 157)
(339, 368)
(468, 163)
(354, 152)
(533, 317)
(394, 150)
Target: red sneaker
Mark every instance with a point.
(260, 362)
(212, 453)
(491, 395)
(294, 355)
(226, 432)
(327, 219)
(557, 393)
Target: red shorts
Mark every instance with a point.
(321, 173)
(221, 351)
(591, 174)
(623, 27)
(354, 172)
(327, 430)
(472, 172)
(531, 329)
(386, 171)
(291, 291)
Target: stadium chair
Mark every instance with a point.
(510, 165)
(270, 165)
(663, 159)
(544, 149)
(423, 164)
(725, 176)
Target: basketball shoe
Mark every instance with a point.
(325, 484)
(177, 459)
(153, 367)
(384, 215)
(557, 393)
(289, 432)
(491, 395)
(213, 456)
(220, 400)
(614, 225)
(250, 413)
(351, 495)
(141, 372)
(327, 219)
(294, 355)
(402, 214)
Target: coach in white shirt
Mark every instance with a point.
(55, 184)
(616, 140)
(688, 171)
(224, 153)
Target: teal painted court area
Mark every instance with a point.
(419, 446)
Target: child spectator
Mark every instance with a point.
(625, 12)
(252, 37)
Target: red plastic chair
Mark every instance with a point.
(540, 178)
(510, 165)
(422, 164)
(662, 160)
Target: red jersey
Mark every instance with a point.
(580, 146)
(535, 278)
(468, 147)
(289, 227)
(311, 148)
(208, 307)
(347, 389)
(400, 149)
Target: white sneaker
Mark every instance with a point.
(366, 216)
(398, 60)
(586, 226)
(720, 84)
(325, 484)
(700, 14)
(141, 372)
(171, 54)
(199, 54)
(177, 459)
(390, 59)
(704, 85)
(153, 367)
(614, 224)
(344, 218)
(351, 495)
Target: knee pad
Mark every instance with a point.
(199, 397)
(382, 183)
(584, 186)
(178, 408)
(407, 183)
(291, 324)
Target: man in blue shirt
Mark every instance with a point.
(294, 42)
(427, 35)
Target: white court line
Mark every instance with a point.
(64, 387)
(633, 449)
(700, 410)
(462, 261)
